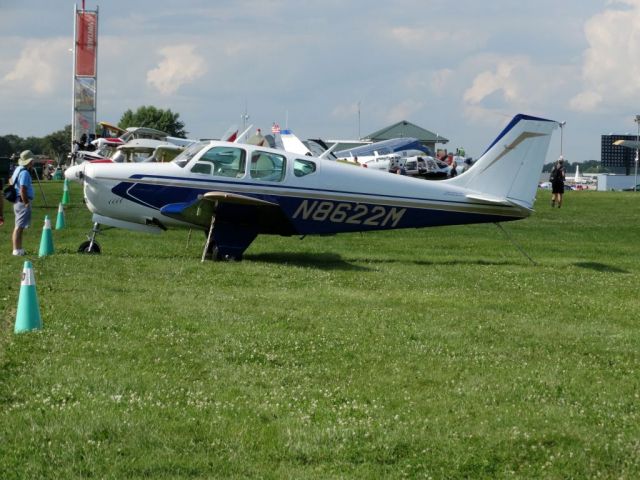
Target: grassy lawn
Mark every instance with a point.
(434, 353)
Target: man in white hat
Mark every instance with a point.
(21, 181)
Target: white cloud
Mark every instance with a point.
(180, 66)
(610, 69)
(504, 84)
(503, 79)
(441, 79)
(404, 110)
(585, 101)
(40, 67)
(428, 40)
(345, 110)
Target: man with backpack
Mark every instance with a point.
(21, 181)
(557, 183)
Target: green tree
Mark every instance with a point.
(10, 144)
(152, 117)
(35, 144)
(58, 144)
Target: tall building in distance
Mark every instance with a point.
(616, 156)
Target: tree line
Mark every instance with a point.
(588, 166)
(57, 145)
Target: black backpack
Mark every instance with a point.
(9, 191)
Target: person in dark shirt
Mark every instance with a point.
(557, 183)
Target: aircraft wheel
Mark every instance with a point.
(86, 247)
(219, 257)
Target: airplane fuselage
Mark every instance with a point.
(334, 198)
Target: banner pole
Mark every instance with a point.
(73, 79)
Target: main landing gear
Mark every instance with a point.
(211, 250)
(227, 241)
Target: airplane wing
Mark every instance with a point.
(229, 208)
(627, 143)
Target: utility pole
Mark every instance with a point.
(561, 124)
(635, 183)
(244, 117)
(359, 137)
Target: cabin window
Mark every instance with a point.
(222, 162)
(303, 167)
(202, 167)
(188, 153)
(267, 166)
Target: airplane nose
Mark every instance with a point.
(75, 173)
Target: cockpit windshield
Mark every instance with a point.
(188, 153)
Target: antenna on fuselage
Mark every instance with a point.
(513, 242)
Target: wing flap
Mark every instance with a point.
(200, 211)
(227, 197)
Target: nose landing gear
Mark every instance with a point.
(91, 246)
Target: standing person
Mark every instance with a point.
(1, 206)
(21, 181)
(454, 168)
(557, 183)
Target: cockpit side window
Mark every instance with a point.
(188, 153)
(267, 166)
(303, 167)
(222, 162)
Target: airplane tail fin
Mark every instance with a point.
(231, 134)
(509, 170)
(293, 144)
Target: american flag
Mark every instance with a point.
(275, 128)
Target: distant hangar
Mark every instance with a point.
(401, 129)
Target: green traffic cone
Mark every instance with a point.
(60, 218)
(28, 315)
(65, 193)
(46, 241)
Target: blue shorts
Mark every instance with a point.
(23, 214)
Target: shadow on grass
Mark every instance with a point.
(451, 262)
(323, 261)
(600, 267)
(495, 263)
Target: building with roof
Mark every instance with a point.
(399, 129)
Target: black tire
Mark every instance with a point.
(216, 256)
(87, 247)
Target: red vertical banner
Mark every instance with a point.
(85, 75)
(86, 43)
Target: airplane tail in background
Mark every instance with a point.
(509, 171)
(293, 144)
(231, 134)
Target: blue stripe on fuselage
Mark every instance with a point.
(121, 190)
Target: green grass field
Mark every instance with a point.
(435, 353)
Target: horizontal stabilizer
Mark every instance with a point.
(488, 199)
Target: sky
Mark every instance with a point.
(336, 69)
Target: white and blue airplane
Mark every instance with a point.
(235, 192)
